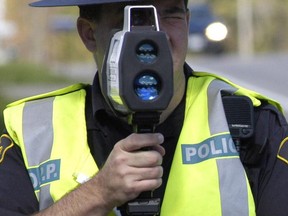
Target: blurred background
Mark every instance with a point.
(244, 40)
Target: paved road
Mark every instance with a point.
(266, 74)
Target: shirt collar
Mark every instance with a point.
(98, 100)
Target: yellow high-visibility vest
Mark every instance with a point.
(206, 177)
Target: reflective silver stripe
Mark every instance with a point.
(45, 197)
(232, 179)
(215, 108)
(38, 139)
(234, 195)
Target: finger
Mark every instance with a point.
(149, 185)
(140, 186)
(149, 173)
(160, 149)
(135, 180)
(143, 159)
(140, 174)
(135, 142)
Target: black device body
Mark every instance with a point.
(137, 82)
(138, 62)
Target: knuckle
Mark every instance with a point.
(120, 159)
(160, 171)
(157, 172)
(133, 138)
(130, 189)
(157, 183)
(155, 158)
(153, 173)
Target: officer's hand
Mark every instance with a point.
(129, 170)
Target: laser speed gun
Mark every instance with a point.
(137, 74)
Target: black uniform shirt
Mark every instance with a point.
(16, 192)
(267, 174)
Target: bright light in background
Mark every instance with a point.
(216, 31)
(7, 29)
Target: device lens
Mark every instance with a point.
(147, 86)
(146, 52)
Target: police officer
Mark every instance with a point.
(66, 153)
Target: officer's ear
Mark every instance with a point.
(86, 32)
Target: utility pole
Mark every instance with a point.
(2, 15)
(7, 30)
(245, 28)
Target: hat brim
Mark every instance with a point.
(58, 3)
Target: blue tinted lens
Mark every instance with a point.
(146, 52)
(147, 87)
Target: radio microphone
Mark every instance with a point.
(240, 117)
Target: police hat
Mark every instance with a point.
(56, 3)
